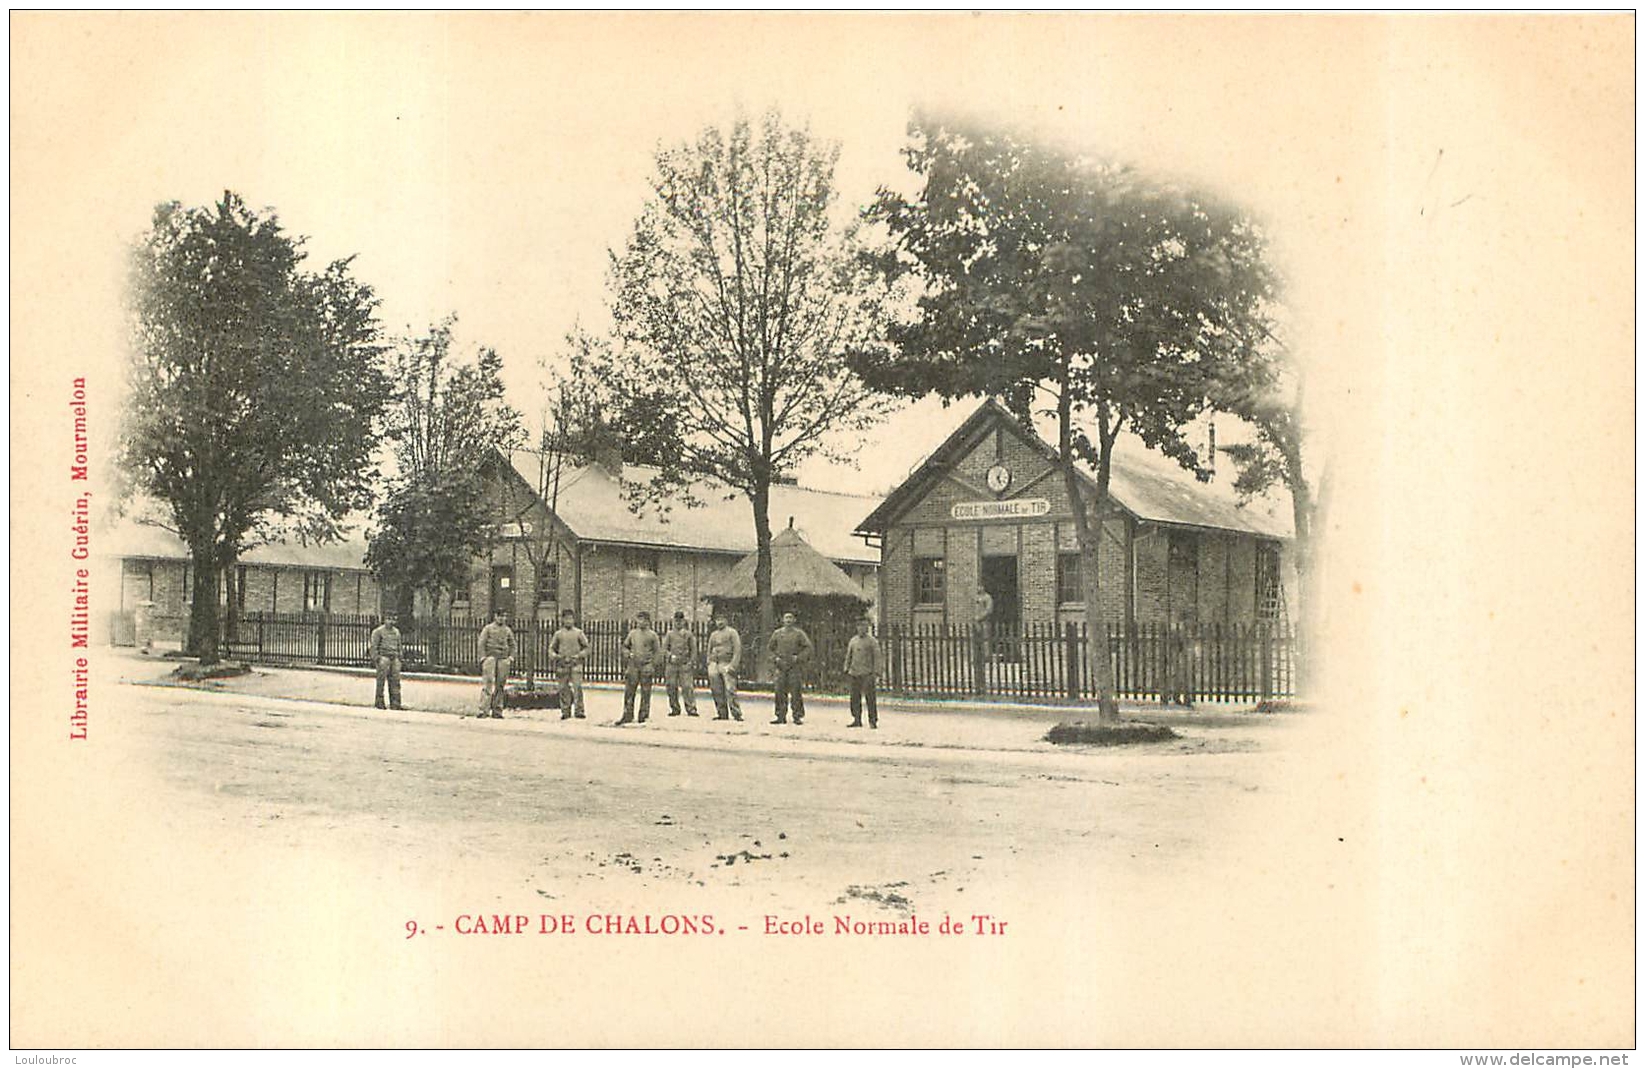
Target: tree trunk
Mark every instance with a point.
(1090, 536)
(762, 579)
(437, 623)
(539, 554)
(1310, 620)
(231, 610)
(1090, 540)
(202, 621)
(1303, 506)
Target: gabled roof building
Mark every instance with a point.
(983, 531)
(609, 561)
(597, 555)
(155, 568)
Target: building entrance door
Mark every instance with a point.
(999, 580)
(502, 589)
(999, 583)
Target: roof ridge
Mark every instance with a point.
(1145, 468)
(737, 490)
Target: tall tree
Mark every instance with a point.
(1069, 288)
(736, 300)
(1267, 393)
(448, 415)
(570, 433)
(255, 389)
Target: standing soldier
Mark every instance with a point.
(725, 650)
(497, 657)
(790, 650)
(862, 665)
(680, 666)
(569, 648)
(384, 651)
(641, 652)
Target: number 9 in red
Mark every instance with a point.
(411, 929)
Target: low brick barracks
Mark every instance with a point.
(982, 531)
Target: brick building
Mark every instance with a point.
(596, 555)
(154, 566)
(987, 513)
(601, 558)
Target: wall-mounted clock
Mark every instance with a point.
(999, 478)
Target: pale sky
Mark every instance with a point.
(484, 165)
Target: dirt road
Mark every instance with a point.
(264, 862)
(576, 812)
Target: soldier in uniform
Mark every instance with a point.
(569, 648)
(725, 650)
(680, 666)
(862, 666)
(790, 650)
(497, 657)
(384, 651)
(641, 653)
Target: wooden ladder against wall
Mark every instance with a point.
(1271, 607)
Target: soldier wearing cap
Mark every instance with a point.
(790, 649)
(568, 648)
(862, 667)
(680, 666)
(496, 658)
(725, 650)
(384, 651)
(641, 652)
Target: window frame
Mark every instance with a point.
(1183, 546)
(316, 587)
(640, 561)
(935, 568)
(1064, 556)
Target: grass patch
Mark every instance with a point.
(1283, 705)
(1083, 734)
(194, 672)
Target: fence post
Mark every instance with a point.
(1111, 650)
(320, 640)
(1267, 664)
(1071, 643)
(979, 658)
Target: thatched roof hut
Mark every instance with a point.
(797, 570)
(803, 582)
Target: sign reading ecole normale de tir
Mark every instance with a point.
(1000, 510)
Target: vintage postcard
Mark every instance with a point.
(822, 530)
